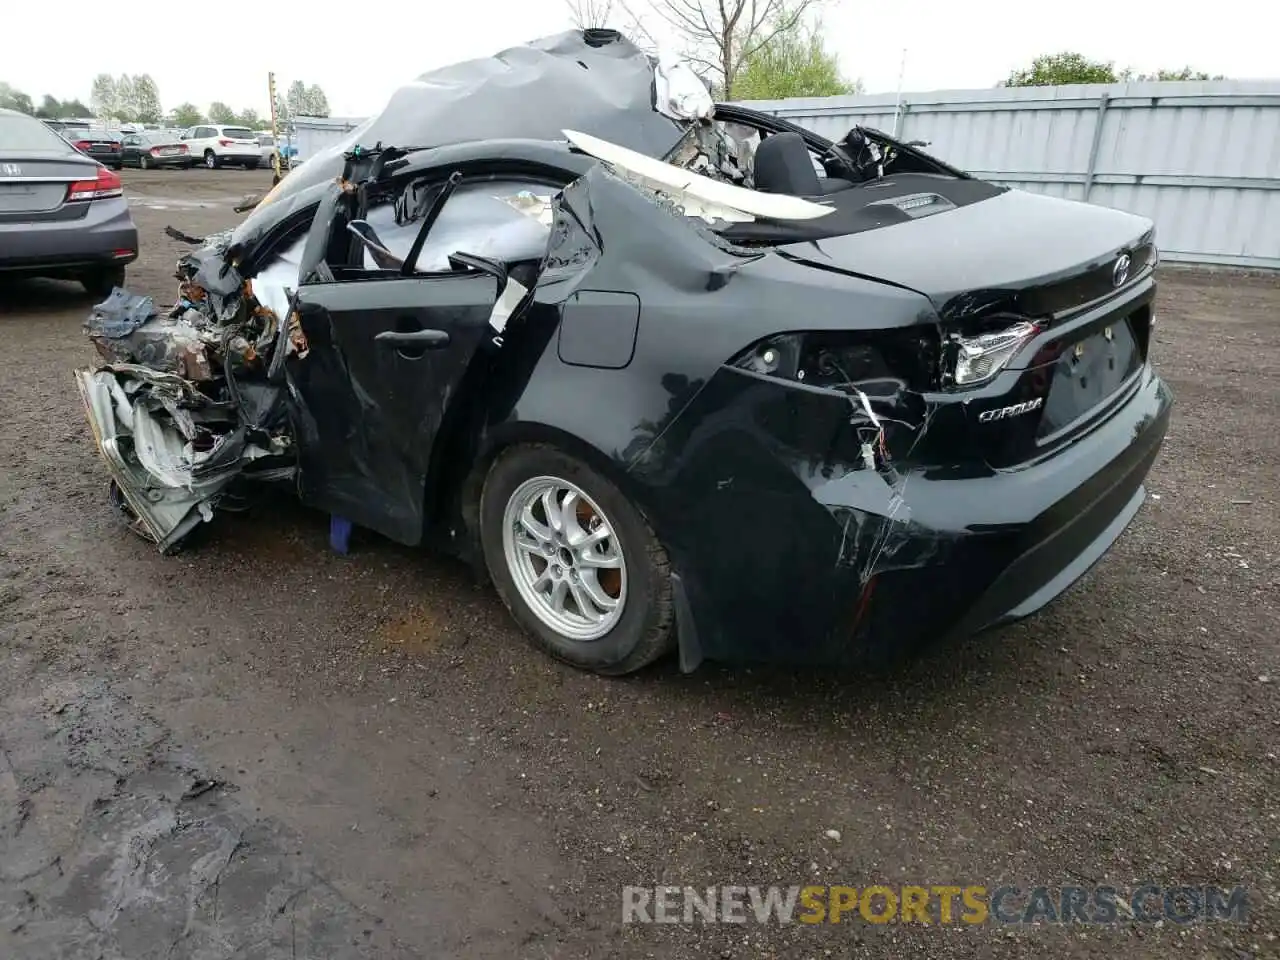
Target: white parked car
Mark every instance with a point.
(216, 145)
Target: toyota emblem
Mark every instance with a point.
(1120, 272)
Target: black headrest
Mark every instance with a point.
(784, 165)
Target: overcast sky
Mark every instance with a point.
(223, 51)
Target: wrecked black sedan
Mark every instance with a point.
(672, 374)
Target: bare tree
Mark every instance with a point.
(615, 14)
(590, 14)
(721, 35)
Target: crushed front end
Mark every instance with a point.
(188, 409)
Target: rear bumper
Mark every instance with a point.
(1064, 543)
(108, 159)
(238, 154)
(105, 235)
(855, 569)
(178, 160)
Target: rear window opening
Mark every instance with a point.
(238, 133)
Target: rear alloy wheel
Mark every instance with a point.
(144, 162)
(211, 160)
(101, 282)
(575, 562)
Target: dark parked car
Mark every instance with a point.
(105, 146)
(62, 214)
(155, 149)
(669, 374)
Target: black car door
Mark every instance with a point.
(385, 353)
(130, 149)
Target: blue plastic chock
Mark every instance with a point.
(339, 533)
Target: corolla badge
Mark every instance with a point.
(1120, 272)
(1003, 413)
(10, 169)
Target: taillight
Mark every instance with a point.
(102, 187)
(979, 358)
(155, 151)
(115, 146)
(872, 362)
(224, 142)
(82, 145)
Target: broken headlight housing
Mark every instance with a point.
(976, 359)
(875, 362)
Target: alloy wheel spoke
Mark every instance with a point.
(584, 603)
(569, 515)
(595, 560)
(539, 531)
(592, 538)
(543, 580)
(552, 510)
(559, 590)
(591, 587)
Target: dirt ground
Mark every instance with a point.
(261, 749)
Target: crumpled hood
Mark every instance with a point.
(595, 81)
(1012, 241)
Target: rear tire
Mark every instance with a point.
(211, 160)
(251, 165)
(100, 283)
(638, 629)
(144, 162)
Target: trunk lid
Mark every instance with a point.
(38, 184)
(1015, 252)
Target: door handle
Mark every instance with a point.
(424, 339)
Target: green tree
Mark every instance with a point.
(1185, 73)
(219, 112)
(185, 115)
(317, 102)
(126, 109)
(14, 99)
(1058, 69)
(794, 63)
(296, 99)
(250, 119)
(146, 100)
(75, 108)
(103, 96)
(49, 109)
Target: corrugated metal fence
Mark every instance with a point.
(313, 134)
(1201, 159)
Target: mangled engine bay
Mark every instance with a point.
(189, 400)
